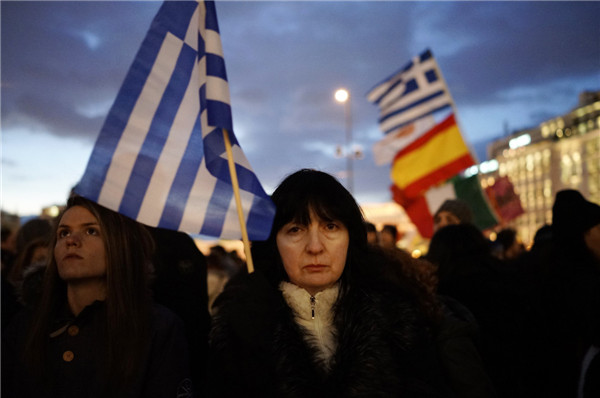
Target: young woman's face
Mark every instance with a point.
(313, 255)
(79, 252)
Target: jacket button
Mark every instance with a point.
(68, 356)
(73, 330)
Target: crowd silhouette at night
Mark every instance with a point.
(334, 307)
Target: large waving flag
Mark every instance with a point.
(160, 156)
(422, 208)
(505, 201)
(417, 90)
(434, 157)
(385, 150)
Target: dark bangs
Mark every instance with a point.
(310, 189)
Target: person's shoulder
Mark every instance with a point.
(250, 306)
(164, 319)
(247, 288)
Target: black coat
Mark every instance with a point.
(383, 349)
(166, 366)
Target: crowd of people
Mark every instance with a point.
(97, 305)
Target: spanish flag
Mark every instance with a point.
(434, 157)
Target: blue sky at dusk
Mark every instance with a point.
(508, 65)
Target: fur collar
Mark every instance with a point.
(315, 315)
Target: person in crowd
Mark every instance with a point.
(468, 273)
(30, 290)
(95, 332)
(458, 338)
(35, 230)
(510, 246)
(9, 302)
(324, 314)
(565, 300)
(388, 237)
(27, 272)
(372, 234)
(9, 237)
(31, 230)
(179, 283)
(452, 212)
(35, 252)
(222, 266)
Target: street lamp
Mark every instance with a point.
(343, 96)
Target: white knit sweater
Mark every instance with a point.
(315, 315)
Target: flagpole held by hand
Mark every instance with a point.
(238, 202)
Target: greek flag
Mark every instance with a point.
(160, 157)
(415, 91)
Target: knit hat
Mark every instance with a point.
(457, 207)
(572, 214)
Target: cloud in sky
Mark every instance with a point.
(514, 63)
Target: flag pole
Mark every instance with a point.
(238, 202)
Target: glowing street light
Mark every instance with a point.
(343, 96)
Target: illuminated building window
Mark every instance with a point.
(546, 153)
(545, 131)
(523, 199)
(590, 124)
(502, 169)
(529, 162)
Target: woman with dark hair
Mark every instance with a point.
(95, 332)
(324, 314)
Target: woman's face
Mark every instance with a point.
(313, 255)
(79, 252)
(444, 218)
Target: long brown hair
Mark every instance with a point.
(128, 247)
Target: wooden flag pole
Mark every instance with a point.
(238, 202)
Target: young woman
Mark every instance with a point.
(96, 332)
(325, 314)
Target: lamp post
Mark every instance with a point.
(343, 96)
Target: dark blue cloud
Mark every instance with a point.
(63, 62)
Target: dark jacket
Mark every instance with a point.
(458, 342)
(76, 349)
(383, 349)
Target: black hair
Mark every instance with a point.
(294, 198)
(367, 267)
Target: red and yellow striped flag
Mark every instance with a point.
(434, 157)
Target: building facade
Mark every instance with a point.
(561, 153)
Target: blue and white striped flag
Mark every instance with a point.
(415, 91)
(160, 156)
